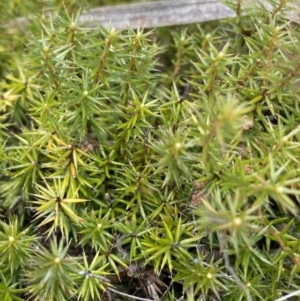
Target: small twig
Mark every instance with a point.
(88, 274)
(289, 296)
(229, 267)
(166, 291)
(127, 295)
(120, 249)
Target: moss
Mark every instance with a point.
(158, 164)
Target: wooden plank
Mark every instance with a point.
(156, 14)
(164, 13)
(291, 9)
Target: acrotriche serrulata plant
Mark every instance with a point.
(149, 164)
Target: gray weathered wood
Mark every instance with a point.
(156, 14)
(292, 13)
(165, 13)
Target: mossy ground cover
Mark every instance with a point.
(159, 164)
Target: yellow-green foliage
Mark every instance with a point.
(163, 160)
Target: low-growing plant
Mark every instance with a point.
(136, 168)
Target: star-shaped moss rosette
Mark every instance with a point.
(148, 164)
